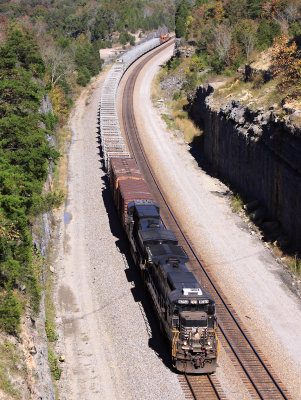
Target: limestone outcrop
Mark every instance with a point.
(258, 153)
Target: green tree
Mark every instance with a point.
(181, 16)
(25, 154)
(266, 32)
(10, 312)
(87, 61)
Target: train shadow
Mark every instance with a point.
(157, 341)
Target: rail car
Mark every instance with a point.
(164, 38)
(186, 312)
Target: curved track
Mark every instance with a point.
(256, 374)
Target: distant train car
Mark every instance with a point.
(164, 38)
(186, 312)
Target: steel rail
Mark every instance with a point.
(190, 387)
(214, 388)
(132, 83)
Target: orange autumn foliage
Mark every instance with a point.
(287, 65)
(59, 102)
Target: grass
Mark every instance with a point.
(56, 370)
(11, 364)
(182, 121)
(294, 264)
(237, 203)
(185, 125)
(169, 121)
(175, 117)
(50, 313)
(60, 172)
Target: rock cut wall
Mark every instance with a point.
(257, 154)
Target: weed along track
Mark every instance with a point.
(254, 370)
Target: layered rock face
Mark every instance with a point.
(258, 154)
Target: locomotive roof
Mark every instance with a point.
(144, 208)
(146, 211)
(157, 235)
(181, 281)
(161, 253)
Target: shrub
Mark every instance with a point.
(10, 312)
(237, 203)
(258, 81)
(55, 369)
(50, 332)
(177, 95)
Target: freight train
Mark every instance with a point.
(186, 312)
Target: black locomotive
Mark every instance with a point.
(185, 310)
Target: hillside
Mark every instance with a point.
(236, 73)
(221, 37)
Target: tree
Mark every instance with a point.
(25, 154)
(181, 16)
(223, 39)
(59, 62)
(287, 65)
(266, 32)
(246, 35)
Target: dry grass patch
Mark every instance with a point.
(12, 367)
(182, 121)
(187, 127)
(63, 139)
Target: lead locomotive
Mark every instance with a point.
(185, 310)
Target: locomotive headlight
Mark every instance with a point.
(209, 343)
(183, 301)
(185, 343)
(193, 301)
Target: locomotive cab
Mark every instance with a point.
(194, 342)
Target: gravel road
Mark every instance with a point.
(250, 276)
(112, 348)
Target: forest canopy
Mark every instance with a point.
(227, 32)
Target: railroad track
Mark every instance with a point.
(201, 387)
(255, 372)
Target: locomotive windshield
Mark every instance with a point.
(207, 308)
(196, 323)
(194, 319)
